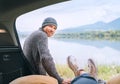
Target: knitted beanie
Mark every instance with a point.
(49, 21)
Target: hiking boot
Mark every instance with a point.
(73, 65)
(92, 68)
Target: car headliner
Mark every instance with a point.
(13, 8)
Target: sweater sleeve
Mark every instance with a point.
(47, 59)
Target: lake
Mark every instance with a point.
(102, 52)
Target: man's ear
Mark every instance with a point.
(44, 28)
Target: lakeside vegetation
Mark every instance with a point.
(105, 72)
(112, 35)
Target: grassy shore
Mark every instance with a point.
(105, 72)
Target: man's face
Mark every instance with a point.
(49, 30)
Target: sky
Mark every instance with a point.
(71, 14)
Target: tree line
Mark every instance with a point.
(112, 35)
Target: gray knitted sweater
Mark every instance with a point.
(36, 51)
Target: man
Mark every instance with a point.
(36, 50)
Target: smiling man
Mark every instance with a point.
(36, 50)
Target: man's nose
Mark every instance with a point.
(52, 30)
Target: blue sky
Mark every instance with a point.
(71, 14)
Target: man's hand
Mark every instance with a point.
(66, 81)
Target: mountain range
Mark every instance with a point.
(98, 26)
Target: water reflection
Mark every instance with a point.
(103, 52)
(95, 43)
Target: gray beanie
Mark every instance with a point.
(49, 21)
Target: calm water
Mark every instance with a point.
(102, 52)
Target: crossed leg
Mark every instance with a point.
(79, 71)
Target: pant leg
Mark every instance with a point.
(35, 79)
(84, 79)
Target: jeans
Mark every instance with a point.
(84, 79)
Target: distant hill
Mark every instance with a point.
(113, 25)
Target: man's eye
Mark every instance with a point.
(55, 28)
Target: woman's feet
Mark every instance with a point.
(92, 69)
(73, 65)
(71, 61)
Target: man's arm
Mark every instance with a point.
(47, 59)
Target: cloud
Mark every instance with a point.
(72, 13)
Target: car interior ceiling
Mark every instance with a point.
(17, 7)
